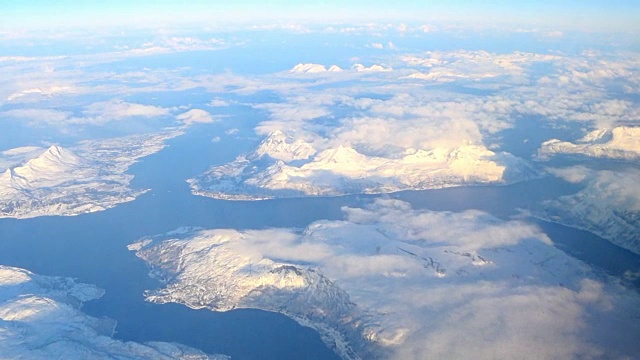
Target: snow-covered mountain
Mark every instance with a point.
(617, 143)
(69, 181)
(393, 282)
(608, 205)
(270, 171)
(40, 318)
(372, 68)
(53, 167)
(281, 147)
(313, 68)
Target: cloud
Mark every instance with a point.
(98, 114)
(195, 116)
(380, 46)
(219, 103)
(608, 204)
(46, 91)
(421, 288)
(39, 116)
(574, 174)
(117, 109)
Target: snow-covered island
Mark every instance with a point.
(40, 318)
(622, 143)
(608, 205)
(393, 282)
(282, 166)
(87, 177)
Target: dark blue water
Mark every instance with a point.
(92, 247)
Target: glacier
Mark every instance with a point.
(87, 177)
(392, 282)
(284, 166)
(41, 318)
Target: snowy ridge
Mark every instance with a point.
(608, 205)
(390, 282)
(372, 68)
(278, 146)
(313, 68)
(52, 167)
(40, 318)
(343, 170)
(617, 143)
(70, 181)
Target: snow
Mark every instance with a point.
(281, 147)
(608, 205)
(618, 143)
(313, 69)
(392, 282)
(372, 68)
(87, 177)
(40, 318)
(343, 170)
(307, 69)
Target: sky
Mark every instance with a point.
(616, 15)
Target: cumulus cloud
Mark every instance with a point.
(217, 102)
(195, 116)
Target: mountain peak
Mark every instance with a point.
(55, 150)
(307, 69)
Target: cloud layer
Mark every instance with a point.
(404, 283)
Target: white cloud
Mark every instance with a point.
(98, 113)
(218, 103)
(554, 34)
(195, 116)
(117, 109)
(39, 116)
(46, 91)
